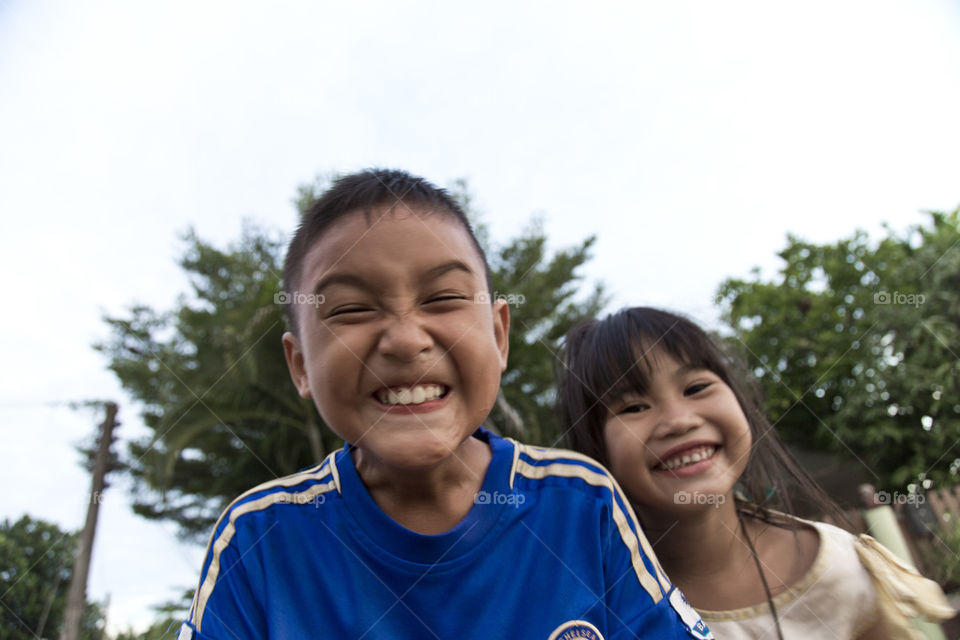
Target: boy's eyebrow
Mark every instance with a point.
(351, 280)
(446, 267)
(347, 279)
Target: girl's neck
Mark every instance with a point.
(705, 543)
(707, 556)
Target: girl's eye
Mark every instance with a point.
(445, 297)
(634, 408)
(694, 389)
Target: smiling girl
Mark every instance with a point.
(650, 395)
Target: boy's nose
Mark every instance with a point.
(404, 338)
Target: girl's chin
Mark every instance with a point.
(686, 496)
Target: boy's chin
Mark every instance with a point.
(407, 451)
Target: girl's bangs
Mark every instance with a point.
(628, 362)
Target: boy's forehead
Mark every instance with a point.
(410, 236)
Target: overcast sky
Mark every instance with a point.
(691, 137)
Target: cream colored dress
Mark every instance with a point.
(839, 598)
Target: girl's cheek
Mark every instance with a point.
(624, 447)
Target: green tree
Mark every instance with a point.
(167, 624)
(165, 629)
(855, 344)
(36, 563)
(214, 387)
(542, 292)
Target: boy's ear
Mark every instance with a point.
(295, 363)
(501, 330)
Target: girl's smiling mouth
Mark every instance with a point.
(688, 460)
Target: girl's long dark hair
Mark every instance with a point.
(603, 359)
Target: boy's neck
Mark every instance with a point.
(427, 500)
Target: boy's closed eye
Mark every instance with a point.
(350, 309)
(349, 312)
(445, 298)
(355, 312)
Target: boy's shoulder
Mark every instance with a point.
(540, 468)
(253, 510)
(307, 486)
(531, 469)
(563, 479)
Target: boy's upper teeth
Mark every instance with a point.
(688, 457)
(410, 395)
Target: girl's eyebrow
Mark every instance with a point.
(687, 368)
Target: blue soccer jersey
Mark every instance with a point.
(549, 551)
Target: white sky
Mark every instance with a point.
(690, 136)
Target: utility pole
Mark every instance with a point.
(77, 596)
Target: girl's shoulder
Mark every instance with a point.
(836, 567)
(790, 547)
(827, 589)
(902, 593)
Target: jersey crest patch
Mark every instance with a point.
(575, 629)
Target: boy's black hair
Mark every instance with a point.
(606, 358)
(364, 192)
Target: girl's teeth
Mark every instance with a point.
(690, 458)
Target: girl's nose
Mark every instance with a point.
(676, 419)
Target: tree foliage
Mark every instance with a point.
(214, 388)
(36, 563)
(213, 385)
(856, 346)
(170, 615)
(544, 305)
(162, 629)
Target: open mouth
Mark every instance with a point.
(406, 396)
(687, 458)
